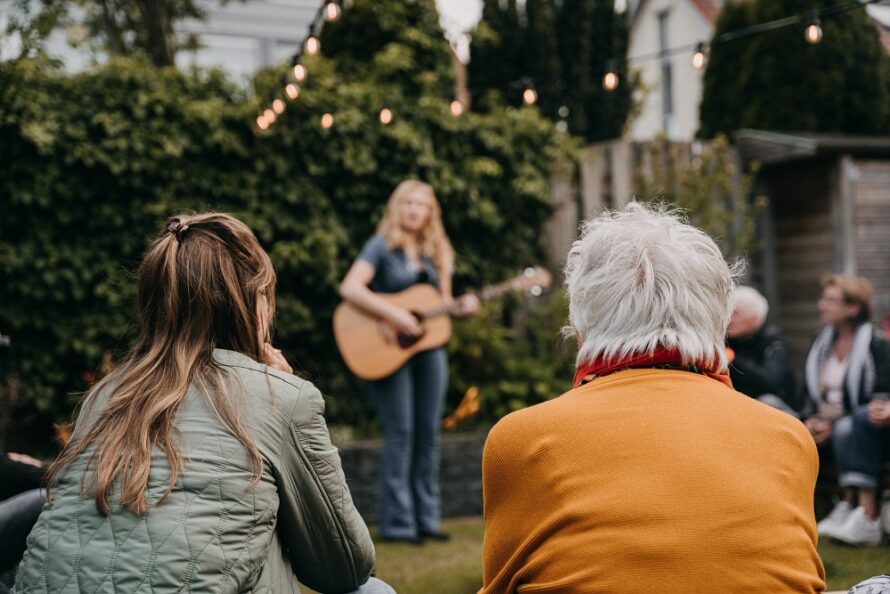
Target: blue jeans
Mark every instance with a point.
(409, 403)
(374, 586)
(859, 448)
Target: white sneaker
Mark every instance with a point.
(859, 530)
(833, 522)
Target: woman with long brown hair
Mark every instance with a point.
(200, 463)
(410, 247)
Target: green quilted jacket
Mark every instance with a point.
(215, 533)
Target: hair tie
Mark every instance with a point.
(177, 228)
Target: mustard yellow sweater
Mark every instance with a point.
(650, 481)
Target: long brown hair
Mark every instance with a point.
(432, 239)
(205, 282)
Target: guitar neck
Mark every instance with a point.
(485, 294)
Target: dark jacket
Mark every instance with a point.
(762, 365)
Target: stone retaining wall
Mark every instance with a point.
(460, 475)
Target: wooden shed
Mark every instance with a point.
(827, 209)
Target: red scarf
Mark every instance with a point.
(667, 357)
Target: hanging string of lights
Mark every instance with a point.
(330, 11)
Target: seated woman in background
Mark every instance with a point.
(201, 463)
(848, 363)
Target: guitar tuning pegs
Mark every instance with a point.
(529, 272)
(536, 291)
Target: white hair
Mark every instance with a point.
(643, 278)
(751, 301)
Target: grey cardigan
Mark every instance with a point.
(215, 533)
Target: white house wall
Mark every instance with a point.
(686, 26)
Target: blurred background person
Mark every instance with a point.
(848, 363)
(410, 247)
(761, 361)
(21, 501)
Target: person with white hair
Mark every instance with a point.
(760, 363)
(652, 474)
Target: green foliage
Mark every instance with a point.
(777, 81)
(516, 364)
(563, 47)
(708, 186)
(91, 164)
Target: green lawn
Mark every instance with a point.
(455, 567)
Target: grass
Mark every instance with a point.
(455, 567)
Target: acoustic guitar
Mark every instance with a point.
(373, 348)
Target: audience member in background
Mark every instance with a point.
(207, 465)
(848, 363)
(875, 585)
(652, 474)
(761, 361)
(21, 500)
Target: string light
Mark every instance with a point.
(698, 58)
(312, 46)
(261, 122)
(300, 72)
(529, 96)
(270, 116)
(292, 90)
(278, 106)
(457, 108)
(327, 120)
(331, 12)
(813, 32)
(386, 116)
(610, 78)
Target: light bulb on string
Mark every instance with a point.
(813, 32)
(300, 72)
(261, 122)
(327, 120)
(529, 96)
(457, 108)
(312, 46)
(386, 116)
(292, 90)
(278, 106)
(698, 58)
(331, 12)
(270, 116)
(610, 78)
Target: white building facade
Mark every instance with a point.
(671, 86)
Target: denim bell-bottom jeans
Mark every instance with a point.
(409, 403)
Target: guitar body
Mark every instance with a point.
(372, 348)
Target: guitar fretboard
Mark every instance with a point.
(485, 294)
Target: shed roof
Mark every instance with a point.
(770, 148)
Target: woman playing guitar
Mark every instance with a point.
(410, 247)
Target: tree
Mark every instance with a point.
(777, 81)
(117, 27)
(565, 48)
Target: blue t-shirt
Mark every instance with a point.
(392, 270)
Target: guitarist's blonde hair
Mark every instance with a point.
(432, 240)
